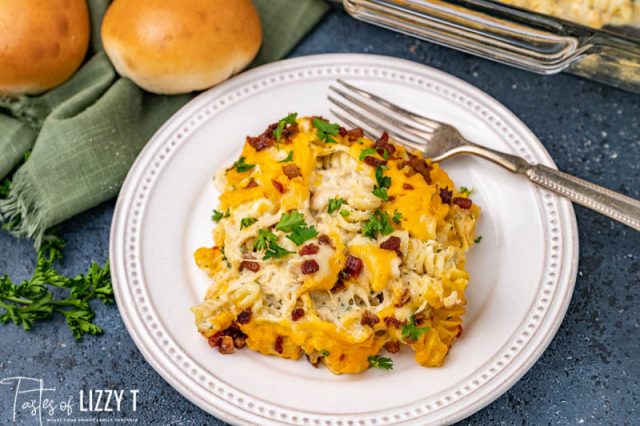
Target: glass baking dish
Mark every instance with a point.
(514, 36)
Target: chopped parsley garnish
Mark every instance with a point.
(381, 362)
(247, 222)
(289, 119)
(378, 223)
(326, 130)
(268, 242)
(302, 234)
(411, 331)
(384, 182)
(465, 190)
(241, 166)
(477, 240)
(367, 152)
(218, 215)
(290, 221)
(288, 158)
(294, 224)
(335, 204)
(397, 217)
(325, 352)
(344, 213)
(224, 257)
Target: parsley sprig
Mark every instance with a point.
(335, 204)
(412, 332)
(384, 182)
(217, 215)
(381, 362)
(465, 190)
(288, 158)
(268, 242)
(326, 130)
(48, 292)
(294, 224)
(367, 152)
(246, 222)
(378, 223)
(289, 119)
(241, 166)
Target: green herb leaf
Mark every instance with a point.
(325, 352)
(274, 251)
(397, 217)
(411, 331)
(335, 204)
(384, 182)
(288, 158)
(218, 215)
(247, 222)
(367, 152)
(378, 223)
(381, 362)
(344, 213)
(301, 234)
(241, 166)
(224, 257)
(477, 240)
(33, 300)
(325, 130)
(289, 119)
(465, 190)
(291, 220)
(264, 238)
(381, 193)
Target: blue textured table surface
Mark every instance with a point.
(589, 374)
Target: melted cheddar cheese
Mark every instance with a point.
(335, 246)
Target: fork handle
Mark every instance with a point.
(609, 203)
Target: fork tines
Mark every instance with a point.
(358, 108)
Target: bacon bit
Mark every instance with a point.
(353, 266)
(324, 239)
(342, 357)
(308, 249)
(309, 266)
(392, 322)
(226, 345)
(373, 161)
(446, 195)
(392, 197)
(291, 171)
(410, 173)
(420, 166)
(315, 364)
(338, 286)
(278, 186)
(354, 134)
(288, 132)
(459, 331)
(239, 342)
(265, 140)
(297, 313)
(252, 183)
(278, 344)
(343, 131)
(369, 319)
(382, 145)
(463, 203)
(392, 243)
(404, 299)
(407, 186)
(418, 319)
(244, 317)
(400, 164)
(392, 347)
(214, 340)
(252, 266)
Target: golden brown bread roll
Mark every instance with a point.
(177, 46)
(42, 43)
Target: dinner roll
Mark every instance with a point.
(174, 46)
(42, 43)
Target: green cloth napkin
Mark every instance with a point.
(85, 134)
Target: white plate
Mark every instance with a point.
(523, 271)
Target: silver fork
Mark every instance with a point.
(439, 141)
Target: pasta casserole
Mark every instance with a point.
(334, 246)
